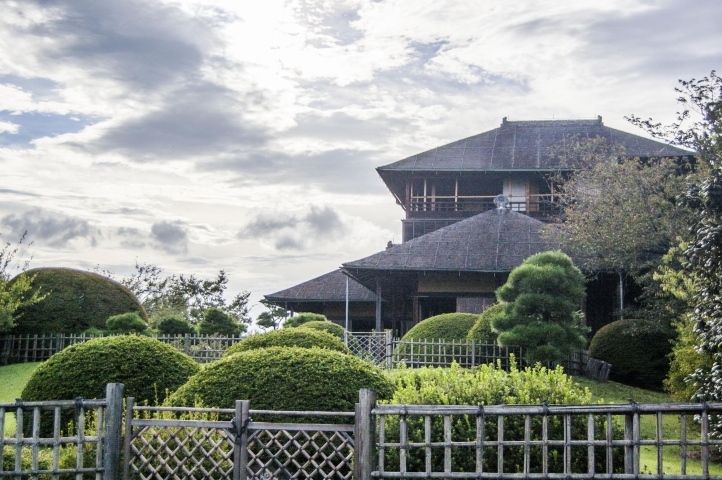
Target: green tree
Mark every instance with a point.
(272, 317)
(216, 321)
(129, 322)
(541, 313)
(16, 293)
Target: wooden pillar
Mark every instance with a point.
(113, 429)
(364, 435)
(379, 320)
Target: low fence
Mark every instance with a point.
(80, 438)
(442, 353)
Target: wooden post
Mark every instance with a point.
(240, 448)
(129, 404)
(379, 320)
(628, 449)
(364, 435)
(389, 340)
(113, 429)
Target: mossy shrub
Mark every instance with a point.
(75, 301)
(491, 385)
(637, 349)
(148, 368)
(284, 378)
(129, 322)
(174, 325)
(482, 331)
(304, 317)
(447, 326)
(335, 330)
(290, 337)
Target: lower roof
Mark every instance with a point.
(330, 287)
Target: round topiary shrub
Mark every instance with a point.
(481, 331)
(129, 322)
(291, 337)
(74, 301)
(304, 317)
(284, 378)
(174, 325)
(447, 326)
(217, 322)
(149, 369)
(325, 326)
(638, 351)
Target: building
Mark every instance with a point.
(474, 210)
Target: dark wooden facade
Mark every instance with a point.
(457, 245)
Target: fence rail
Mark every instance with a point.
(441, 353)
(63, 437)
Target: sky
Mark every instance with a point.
(200, 135)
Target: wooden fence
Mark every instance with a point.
(47, 447)
(441, 353)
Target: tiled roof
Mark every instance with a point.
(330, 287)
(493, 241)
(525, 146)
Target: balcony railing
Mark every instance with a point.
(533, 205)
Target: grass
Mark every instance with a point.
(13, 378)
(611, 392)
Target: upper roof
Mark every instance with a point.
(493, 241)
(526, 146)
(330, 287)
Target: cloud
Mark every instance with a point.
(296, 232)
(170, 236)
(8, 127)
(51, 229)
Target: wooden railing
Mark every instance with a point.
(541, 205)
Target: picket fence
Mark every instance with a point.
(506, 442)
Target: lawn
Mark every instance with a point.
(12, 380)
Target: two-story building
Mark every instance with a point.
(474, 210)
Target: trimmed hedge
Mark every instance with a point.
(129, 322)
(637, 349)
(447, 326)
(148, 368)
(174, 325)
(482, 331)
(284, 378)
(291, 337)
(75, 301)
(325, 326)
(490, 385)
(304, 317)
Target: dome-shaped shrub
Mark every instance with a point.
(325, 326)
(174, 324)
(284, 378)
(75, 300)
(481, 331)
(638, 351)
(304, 317)
(290, 337)
(129, 322)
(148, 368)
(447, 326)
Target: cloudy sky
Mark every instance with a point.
(201, 135)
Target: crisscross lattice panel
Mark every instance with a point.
(286, 454)
(369, 346)
(181, 452)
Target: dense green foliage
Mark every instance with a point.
(13, 294)
(292, 337)
(542, 298)
(73, 301)
(489, 385)
(129, 322)
(325, 326)
(637, 349)
(216, 322)
(304, 317)
(148, 369)
(174, 325)
(447, 326)
(284, 378)
(685, 360)
(482, 331)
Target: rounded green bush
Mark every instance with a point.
(447, 326)
(75, 301)
(284, 378)
(174, 325)
(129, 322)
(217, 322)
(325, 326)
(304, 317)
(481, 331)
(148, 368)
(291, 337)
(638, 351)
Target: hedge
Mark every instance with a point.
(75, 301)
(284, 378)
(447, 326)
(304, 317)
(482, 331)
(291, 337)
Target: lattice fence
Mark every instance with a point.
(441, 353)
(212, 444)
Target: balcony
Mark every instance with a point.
(432, 207)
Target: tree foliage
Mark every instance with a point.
(14, 294)
(217, 322)
(273, 317)
(542, 298)
(304, 317)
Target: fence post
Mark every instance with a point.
(389, 340)
(628, 448)
(364, 435)
(129, 404)
(113, 429)
(240, 447)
